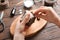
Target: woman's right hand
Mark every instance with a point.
(48, 14)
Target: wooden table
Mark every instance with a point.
(50, 32)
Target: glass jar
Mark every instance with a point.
(49, 2)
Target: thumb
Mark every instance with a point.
(26, 19)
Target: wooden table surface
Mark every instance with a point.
(50, 32)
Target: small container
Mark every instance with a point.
(49, 2)
(4, 4)
(32, 18)
(13, 11)
(28, 3)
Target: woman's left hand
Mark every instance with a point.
(21, 25)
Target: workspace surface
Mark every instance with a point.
(49, 32)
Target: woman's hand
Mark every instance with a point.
(48, 14)
(18, 33)
(21, 25)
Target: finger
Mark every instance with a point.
(26, 19)
(42, 15)
(41, 9)
(38, 14)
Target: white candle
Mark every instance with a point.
(28, 3)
